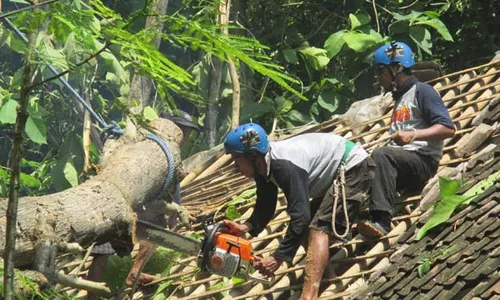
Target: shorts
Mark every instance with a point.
(358, 181)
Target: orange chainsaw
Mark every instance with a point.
(219, 253)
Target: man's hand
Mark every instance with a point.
(235, 228)
(404, 137)
(267, 266)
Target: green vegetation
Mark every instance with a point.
(450, 200)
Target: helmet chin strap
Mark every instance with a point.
(394, 73)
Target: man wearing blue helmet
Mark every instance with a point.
(303, 167)
(420, 122)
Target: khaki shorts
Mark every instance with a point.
(358, 181)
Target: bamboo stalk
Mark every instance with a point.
(475, 78)
(489, 64)
(218, 163)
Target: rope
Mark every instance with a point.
(336, 187)
(113, 128)
(170, 158)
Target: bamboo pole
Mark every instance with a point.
(218, 163)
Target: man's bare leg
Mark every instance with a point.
(145, 251)
(316, 261)
(96, 272)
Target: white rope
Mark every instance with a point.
(336, 187)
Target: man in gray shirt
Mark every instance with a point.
(303, 167)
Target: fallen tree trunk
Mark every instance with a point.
(133, 170)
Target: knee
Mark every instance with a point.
(380, 154)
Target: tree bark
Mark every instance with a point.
(233, 72)
(213, 100)
(141, 86)
(9, 246)
(133, 170)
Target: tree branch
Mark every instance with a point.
(96, 287)
(25, 8)
(15, 166)
(106, 45)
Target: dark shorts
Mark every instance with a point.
(358, 181)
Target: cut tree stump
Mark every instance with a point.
(133, 170)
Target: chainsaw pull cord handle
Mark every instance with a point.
(208, 241)
(337, 186)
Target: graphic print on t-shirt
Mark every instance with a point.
(401, 115)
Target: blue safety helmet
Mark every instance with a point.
(247, 138)
(395, 52)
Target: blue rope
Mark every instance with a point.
(114, 129)
(170, 158)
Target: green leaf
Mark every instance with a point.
(481, 187)
(255, 111)
(4, 191)
(333, 81)
(399, 27)
(55, 57)
(70, 153)
(116, 271)
(359, 19)
(112, 64)
(439, 26)
(316, 57)
(328, 100)
(159, 291)
(334, 43)
(161, 261)
(149, 113)
(431, 14)
(411, 17)
(36, 131)
(290, 56)
(424, 267)
(238, 280)
(20, 2)
(8, 112)
(298, 117)
(448, 187)
(232, 213)
(361, 42)
(422, 37)
(444, 208)
(70, 173)
(285, 106)
(29, 181)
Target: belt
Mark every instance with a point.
(348, 147)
